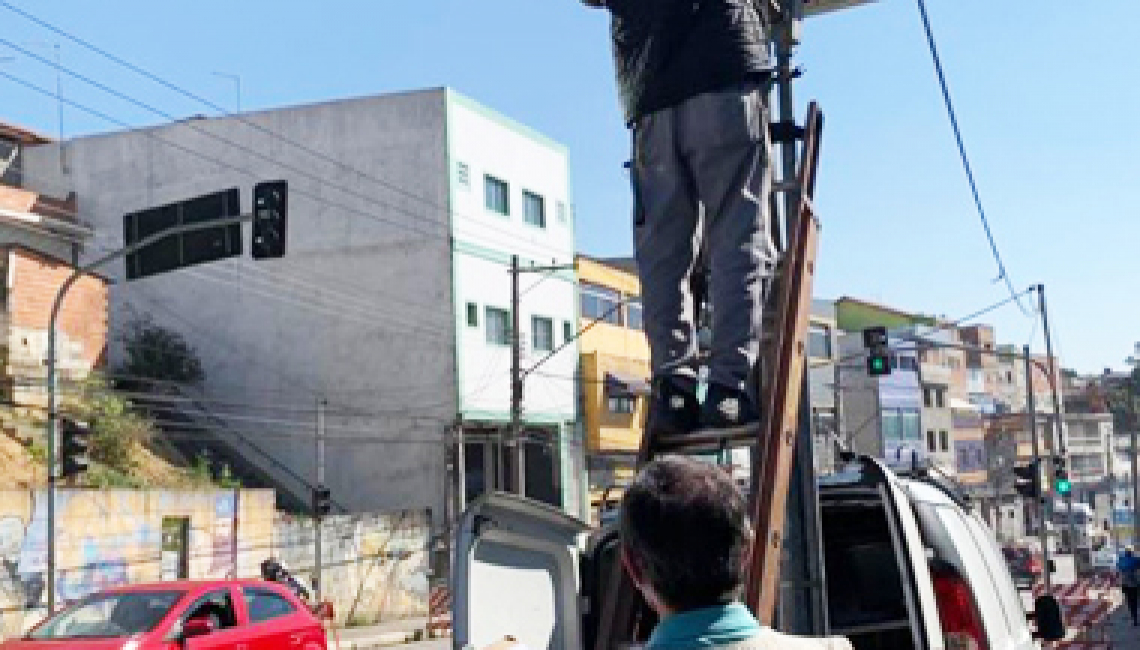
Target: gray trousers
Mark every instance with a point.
(702, 177)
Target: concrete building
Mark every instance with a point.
(614, 372)
(391, 304)
(936, 377)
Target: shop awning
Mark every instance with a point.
(619, 384)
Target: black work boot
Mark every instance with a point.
(673, 408)
(728, 409)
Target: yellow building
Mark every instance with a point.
(614, 370)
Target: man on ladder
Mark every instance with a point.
(694, 79)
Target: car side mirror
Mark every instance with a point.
(197, 626)
(1050, 621)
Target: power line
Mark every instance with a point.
(1002, 273)
(511, 236)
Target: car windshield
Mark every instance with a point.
(120, 614)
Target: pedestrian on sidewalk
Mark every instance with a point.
(1129, 568)
(685, 543)
(694, 78)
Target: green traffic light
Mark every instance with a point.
(1064, 486)
(877, 364)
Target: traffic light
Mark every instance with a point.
(1061, 480)
(75, 442)
(1027, 479)
(322, 500)
(270, 217)
(878, 354)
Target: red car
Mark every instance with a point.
(205, 615)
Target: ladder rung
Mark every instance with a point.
(708, 440)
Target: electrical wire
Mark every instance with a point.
(1002, 273)
(416, 217)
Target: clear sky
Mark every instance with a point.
(1047, 95)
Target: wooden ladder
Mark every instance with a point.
(779, 379)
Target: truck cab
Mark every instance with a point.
(907, 566)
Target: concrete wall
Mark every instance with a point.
(358, 311)
(107, 538)
(375, 565)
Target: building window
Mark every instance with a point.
(819, 342)
(926, 400)
(600, 303)
(567, 331)
(542, 333)
(911, 426)
(620, 405)
(497, 195)
(940, 397)
(908, 363)
(944, 439)
(472, 315)
(463, 175)
(560, 210)
(633, 314)
(931, 441)
(534, 209)
(892, 425)
(498, 326)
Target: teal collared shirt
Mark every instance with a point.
(703, 628)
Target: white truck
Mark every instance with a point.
(908, 566)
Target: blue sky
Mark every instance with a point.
(1046, 95)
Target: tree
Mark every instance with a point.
(154, 352)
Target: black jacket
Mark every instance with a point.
(667, 51)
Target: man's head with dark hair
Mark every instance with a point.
(685, 534)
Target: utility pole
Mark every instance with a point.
(1132, 434)
(515, 437)
(1031, 408)
(318, 559)
(517, 375)
(1061, 448)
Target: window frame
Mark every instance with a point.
(490, 181)
(529, 199)
(535, 321)
(599, 293)
(623, 403)
(473, 315)
(488, 312)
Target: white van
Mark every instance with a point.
(907, 567)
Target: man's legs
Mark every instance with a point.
(666, 241)
(1130, 594)
(724, 138)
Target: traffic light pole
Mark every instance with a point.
(1032, 414)
(318, 559)
(1061, 448)
(52, 362)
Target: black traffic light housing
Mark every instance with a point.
(1027, 479)
(270, 218)
(1061, 482)
(322, 500)
(75, 443)
(878, 353)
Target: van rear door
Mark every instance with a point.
(880, 593)
(516, 573)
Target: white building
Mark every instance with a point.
(385, 302)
